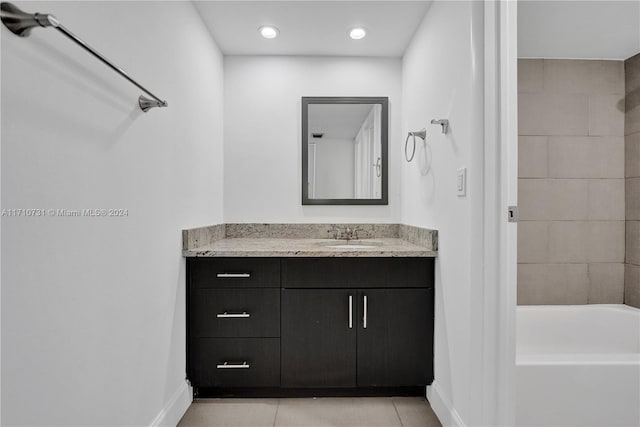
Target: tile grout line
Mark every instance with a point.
(393, 402)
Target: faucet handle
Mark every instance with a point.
(337, 234)
(355, 232)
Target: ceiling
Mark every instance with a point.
(337, 121)
(313, 27)
(578, 29)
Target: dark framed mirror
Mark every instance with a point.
(345, 150)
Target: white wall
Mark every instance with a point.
(93, 309)
(442, 78)
(335, 168)
(262, 147)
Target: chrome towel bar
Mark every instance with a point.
(21, 23)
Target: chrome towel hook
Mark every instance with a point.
(420, 134)
(443, 122)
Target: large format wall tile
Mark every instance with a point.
(632, 187)
(533, 242)
(632, 285)
(571, 189)
(571, 199)
(586, 241)
(632, 204)
(632, 77)
(606, 283)
(553, 199)
(586, 157)
(632, 155)
(632, 117)
(553, 114)
(569, 241)
(632, 255)
(606, 241)
(575, 76)
(632, 73)
(530, 75)
(553, 284)
(606, 115)
(532, 157)
(606, 199)
(632, 106)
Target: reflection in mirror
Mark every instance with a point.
(344, 150)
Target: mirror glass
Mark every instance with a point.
(344, 146)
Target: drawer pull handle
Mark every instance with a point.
(350, 311)
(227, 365)
(233, 275)
(364, 318)
(226, 315)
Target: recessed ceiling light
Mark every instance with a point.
(268, 31)
(357, 33)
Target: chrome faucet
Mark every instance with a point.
(345, 234)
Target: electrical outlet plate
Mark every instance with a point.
(461, 183)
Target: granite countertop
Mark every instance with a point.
(270, 247)
(306, 240)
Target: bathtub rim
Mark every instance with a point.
(535, 307)
(603, 359)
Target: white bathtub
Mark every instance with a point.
(578, 365)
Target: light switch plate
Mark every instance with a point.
(461, 184)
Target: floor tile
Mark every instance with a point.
(230, 413)
(327, 412)
(416, 412)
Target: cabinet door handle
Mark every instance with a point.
(227, 365)
(233, 275)
(226, 315)
(364, 316)
(350, 311)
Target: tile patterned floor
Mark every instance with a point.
(320, 412)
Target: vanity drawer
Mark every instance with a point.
(234, 272)
(235, 362)
(357, 272)
(235, 312)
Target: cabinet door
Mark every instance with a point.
(318, 338)
(395, 337)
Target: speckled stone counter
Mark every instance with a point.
(269, 247)
(304, 240)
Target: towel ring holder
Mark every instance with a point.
(420, 134)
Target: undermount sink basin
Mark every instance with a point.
(355, 245)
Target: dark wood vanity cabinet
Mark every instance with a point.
(396, 346)
(318, 348)
(309, 323)
(233, 322)
(356, 338)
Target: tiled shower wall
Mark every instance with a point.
(632, 173)
(571, 195)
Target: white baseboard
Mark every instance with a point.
(443, 409)
(175, 408)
